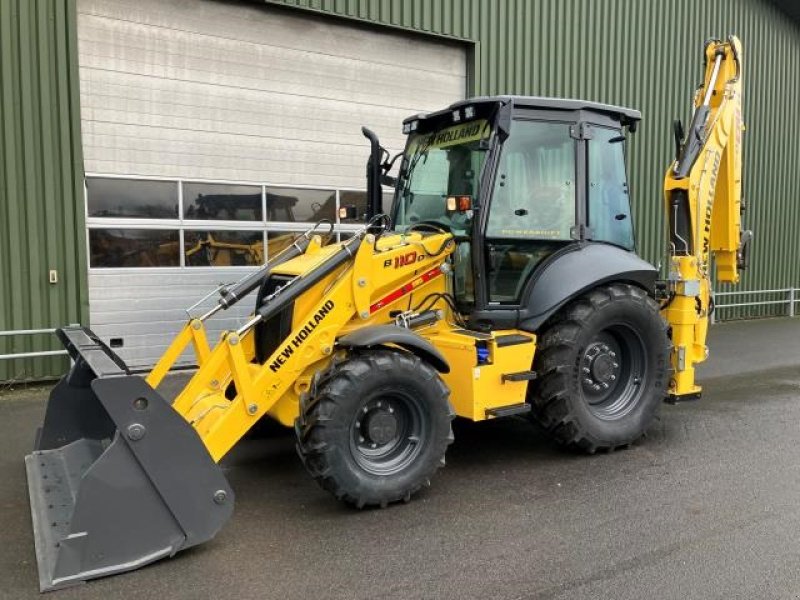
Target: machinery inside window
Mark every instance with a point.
(223, 248)
(167, 233)
(131, 198)
(221, 201)
(300, 205)
(358, 199)
(133, 248)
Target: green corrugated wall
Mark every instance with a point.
(41, 181)
(641, 53)
(645, 54)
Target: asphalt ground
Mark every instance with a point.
(706, 506)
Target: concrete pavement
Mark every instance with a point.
(704, 507)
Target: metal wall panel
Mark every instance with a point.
(636, 52)
(213, 90)
(41, 189)
(645, 54)
(146, 322)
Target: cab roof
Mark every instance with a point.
(625, 115)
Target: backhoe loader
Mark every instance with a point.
(504, 282)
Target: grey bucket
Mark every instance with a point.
(117, 478)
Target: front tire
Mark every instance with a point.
(603, 369)
(374, 428)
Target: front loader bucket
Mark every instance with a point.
(117, 478)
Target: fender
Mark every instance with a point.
(377, 335)
(572, 273)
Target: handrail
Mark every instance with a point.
(37, 354)
(792, 298)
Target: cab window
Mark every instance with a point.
(609, 207)
(532, 210)
(534, 191)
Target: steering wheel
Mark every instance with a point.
(432, 225)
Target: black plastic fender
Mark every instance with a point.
(377, 335)
(577, 270)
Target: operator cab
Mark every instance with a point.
(518, 181)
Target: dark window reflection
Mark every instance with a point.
(132, 198)
(223, 248)
(359, 200)
(133, 248)
(221, 201)
(279, 240)
(296, 205)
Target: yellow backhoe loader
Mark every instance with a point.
(504, 282)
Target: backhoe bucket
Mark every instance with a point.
(117, 478)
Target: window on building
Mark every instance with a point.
(223, 248)
(221, 202)
(295, 205)
(155, 240)
(359, 200)
(134, 248)
(132, 198)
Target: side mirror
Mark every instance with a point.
(743, 255)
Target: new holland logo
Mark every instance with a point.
(712, 185)
(302, 335)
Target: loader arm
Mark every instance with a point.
(101, 450)
(703, 200)
(336, 289)
(193, 331)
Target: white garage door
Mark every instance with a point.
(189, 105)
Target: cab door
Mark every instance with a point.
(532, 212)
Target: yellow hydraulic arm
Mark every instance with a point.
(703, 195)
(193, 331)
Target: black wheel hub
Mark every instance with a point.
(380, 426)
(600, 366)
(387, 433)
(612, 366)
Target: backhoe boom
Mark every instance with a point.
(703, 194)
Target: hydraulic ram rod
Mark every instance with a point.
(295, 288)
(231, 294)
(697, 130)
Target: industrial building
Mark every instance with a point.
(152, 150)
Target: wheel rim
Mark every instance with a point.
(613, 368)
(387, 433)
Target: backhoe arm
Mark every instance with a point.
(703, 194)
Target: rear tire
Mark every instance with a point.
(374, 428)
(603, 369)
